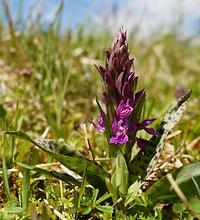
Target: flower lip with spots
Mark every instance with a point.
(119, 133)
(124, 110)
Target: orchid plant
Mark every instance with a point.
(120, 119)
(123, 103)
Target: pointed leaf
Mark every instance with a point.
(143, 162)
(120, 174)
(83, 186)
(112, 190)
(61, 176)
(2, 112)
(103, 198)
(94, 195)
(132, 192)
(95, 173)
(171, 119)
(105, 209)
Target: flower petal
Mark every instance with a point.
(145, 123)
(128, 66)
(100, 126)
(124, 110)
(101, 70)
(120, 138)
(115, 126)
(125, 90)
(150, 131)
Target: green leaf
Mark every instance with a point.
(83, 185)
(178, 208)
(95, 193)
(162, 191)
(87, 210)
(13, 210)
(5, 181)
(195, 204)
(196, 185)
(61, 176)
(120, 174)
(4, 144)
(103, 198)
(143, 164)
(2, 112)
(25, 189)
(106, 209)
(132, 192)
(112, 190)
(95, 173)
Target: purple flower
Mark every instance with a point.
(143, 125)
(124, 110)
(119, 132)
(100, 126)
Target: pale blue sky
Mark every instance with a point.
(151, 15)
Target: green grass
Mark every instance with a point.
(57, 95)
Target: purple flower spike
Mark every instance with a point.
(125, 90)
(124, 110)
(115, 63)
(128, 66)
(101, 70)
(120, 136)
(131, 77)
(138, 95)
(100, 126)
(105, 98)
(122, 101)
(116, 125)
(108, 79)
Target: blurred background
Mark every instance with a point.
(147, 16)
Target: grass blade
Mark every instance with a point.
(162, 191)
(83, 185)
(5, 180)
(5, 171)
(25, 189)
